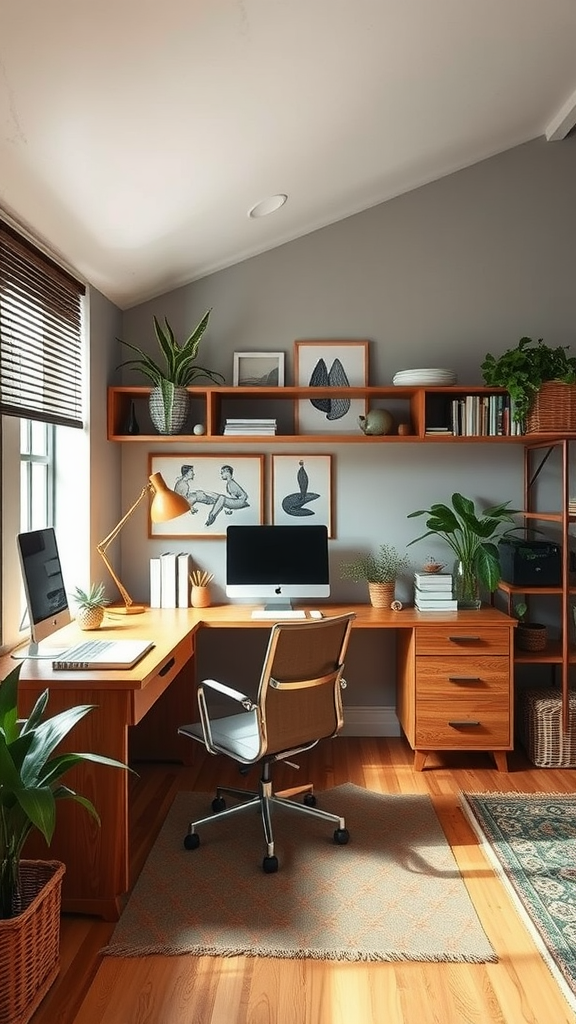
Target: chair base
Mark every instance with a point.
(263, 801)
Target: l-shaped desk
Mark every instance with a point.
(454, 676)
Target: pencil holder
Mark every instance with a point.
(200, 597)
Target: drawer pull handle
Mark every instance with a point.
(464, 679)
(464, 639)
(166, 668)
(464, 724)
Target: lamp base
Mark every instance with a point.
(123, 609)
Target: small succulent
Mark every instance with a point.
(94, 597)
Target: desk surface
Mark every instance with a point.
(168, 627)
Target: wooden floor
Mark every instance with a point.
(518, 989)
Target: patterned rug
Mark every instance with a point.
(531, 841)
(393, 893)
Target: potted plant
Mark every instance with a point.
(379, 570)
(528, 636)
(90, 605)
(169, 398)
(471, 535)
(541, 382)
(30, 784)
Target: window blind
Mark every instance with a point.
(40, 334)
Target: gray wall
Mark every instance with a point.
(439, 276)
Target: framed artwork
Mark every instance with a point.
(220, 489)
(337, 364)
(302, 490)
(258, 369)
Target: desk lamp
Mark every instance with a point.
(166, 504)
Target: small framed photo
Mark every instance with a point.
(302, 490)
(334, 364)
(258, 369)
(220, 489)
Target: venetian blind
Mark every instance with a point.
(40, 335)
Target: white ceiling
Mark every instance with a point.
(136, 134)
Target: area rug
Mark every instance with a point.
(531, 841)
(393, 892)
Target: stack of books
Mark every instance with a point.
(433, 592)
(250, 426)
(169, 580)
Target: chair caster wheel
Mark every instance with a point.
(218, 804)
(270, 865)
(191, 841)
(310, 800)
(341, 836)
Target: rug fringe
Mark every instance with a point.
(265, 952)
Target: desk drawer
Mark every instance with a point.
(465, 724)
(167, 672)
(462, 640)
(447, 679)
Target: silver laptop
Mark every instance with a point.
(102, 654)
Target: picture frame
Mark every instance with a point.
(221, 489)
(330, 364)
(302, 490)
(258, 369)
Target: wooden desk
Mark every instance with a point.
(96, 858)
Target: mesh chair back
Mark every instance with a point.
(299, 696)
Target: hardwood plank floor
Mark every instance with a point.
(519, 989)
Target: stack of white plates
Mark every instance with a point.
(429, 375)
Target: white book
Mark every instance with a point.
(432, 595)
(433, 580)
(155, 584)
(183, 578)
(168, 579)
(437, 606)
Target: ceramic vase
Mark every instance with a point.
(89, 618)
(168, 407)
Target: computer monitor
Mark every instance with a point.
(277, 564)
(46, 598)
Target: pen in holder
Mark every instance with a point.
(200, 588)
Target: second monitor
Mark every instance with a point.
(277, 564)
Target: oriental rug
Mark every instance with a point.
(394, 892)
(531, 841)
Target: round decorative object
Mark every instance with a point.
(404, 429)
(89, 618)
(376, 421)
(199, 429)
(169, 408)
(381, 594)
(396, 606)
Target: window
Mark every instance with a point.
(36, 475)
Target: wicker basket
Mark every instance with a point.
(539, 719)
(553, 410)
(30, 942)
(381, 594)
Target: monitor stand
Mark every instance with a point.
(278, 606)
(35, 652)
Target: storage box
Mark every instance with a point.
(530, 563)
(539, 723)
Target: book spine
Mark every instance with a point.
(155, 581)
(168, 579)
(183, 574)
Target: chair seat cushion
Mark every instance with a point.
(236, 735)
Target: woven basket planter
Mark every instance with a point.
(531, 636)
(30, 942)
(381, 594)
(553, 410)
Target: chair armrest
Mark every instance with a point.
(228, 691)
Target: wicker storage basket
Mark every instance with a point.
(539, 719)
(381, 594)
(553, 410)
(30, 943)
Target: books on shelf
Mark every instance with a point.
(250, 425)
(433, 592)
(433, 580)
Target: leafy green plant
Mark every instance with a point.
(180, 367)
(470, 534)
(94, 597)
(30, 775)
(522, 371)
(382, 567)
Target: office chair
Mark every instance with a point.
(298, 704)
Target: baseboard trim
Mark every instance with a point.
(370, 721)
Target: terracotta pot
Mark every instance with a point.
(200, 597)
(381, 594)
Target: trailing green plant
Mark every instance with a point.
(522, 371)
(30, 779)
(382, 567)
(180, 368)
(94, 597)
(470, 534)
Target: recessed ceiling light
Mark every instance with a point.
(266, 206)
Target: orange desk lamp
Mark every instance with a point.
(166, 505)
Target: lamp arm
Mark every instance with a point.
(104, 544)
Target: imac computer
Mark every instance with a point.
(277, 564)
(46, 599)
